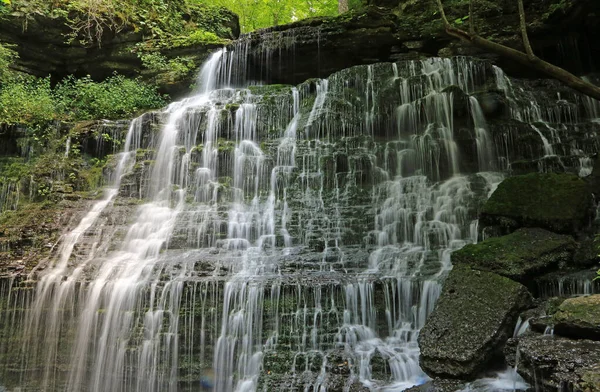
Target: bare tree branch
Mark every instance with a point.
(528, 60)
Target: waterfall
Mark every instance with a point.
(273, 237)
(485, 148)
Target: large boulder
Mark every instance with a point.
(473, 318)
(579, 317)
(554, 364)
(558, 202)
(521, 255)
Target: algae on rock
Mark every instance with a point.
(579, 317)
(558, 202)
(521, 255)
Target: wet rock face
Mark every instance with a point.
(557, 364)
(438, 385)
(522, 255)
(579, 318)
(391, 30)
(558, 202)
(471, 322)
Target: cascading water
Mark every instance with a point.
(289, 238)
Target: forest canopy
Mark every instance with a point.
(165, 15)
(256, 14)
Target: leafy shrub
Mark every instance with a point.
(116, 97)
(27, 101)
(33, 102)
(7, 55)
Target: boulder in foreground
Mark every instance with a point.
(475, 315)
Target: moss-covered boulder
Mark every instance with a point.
(521, 255)
(579, 317)
(556, 364)
(473, 318)
(558, 202)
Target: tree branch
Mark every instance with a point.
(527, 59)
(526, 43)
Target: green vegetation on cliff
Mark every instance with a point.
(90, 19)
(34, 103)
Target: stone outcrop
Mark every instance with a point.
(579, 318)
(471, 322)
(412, 29)
(521, 255)
(556, 364)
(558, 202)
(44, 50)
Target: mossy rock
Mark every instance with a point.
(558, 202)
(471, 322)
(579, 318)
(524, 254)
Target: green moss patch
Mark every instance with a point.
(557, 202)
(579, 317)
(520, 255)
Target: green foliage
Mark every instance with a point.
(27, 101)
(169, 70)
(34, 103)
(116, 97)
(197, 37)
(7, 55)
(256, 14)
(156, 19)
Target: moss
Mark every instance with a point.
(270, 89)
(232, 107)
(520, 255)
(579, 317)
(553, 304)
(558, 202)
(590, 380)
(224, 145)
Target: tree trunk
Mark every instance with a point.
(527, 59)
(342, 6)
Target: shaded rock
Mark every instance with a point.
(559, 364)
(557, 202)
(579, 318)
(520, 255)
(44, 49)
(587, 252)
(438, 385)
(470, 323)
